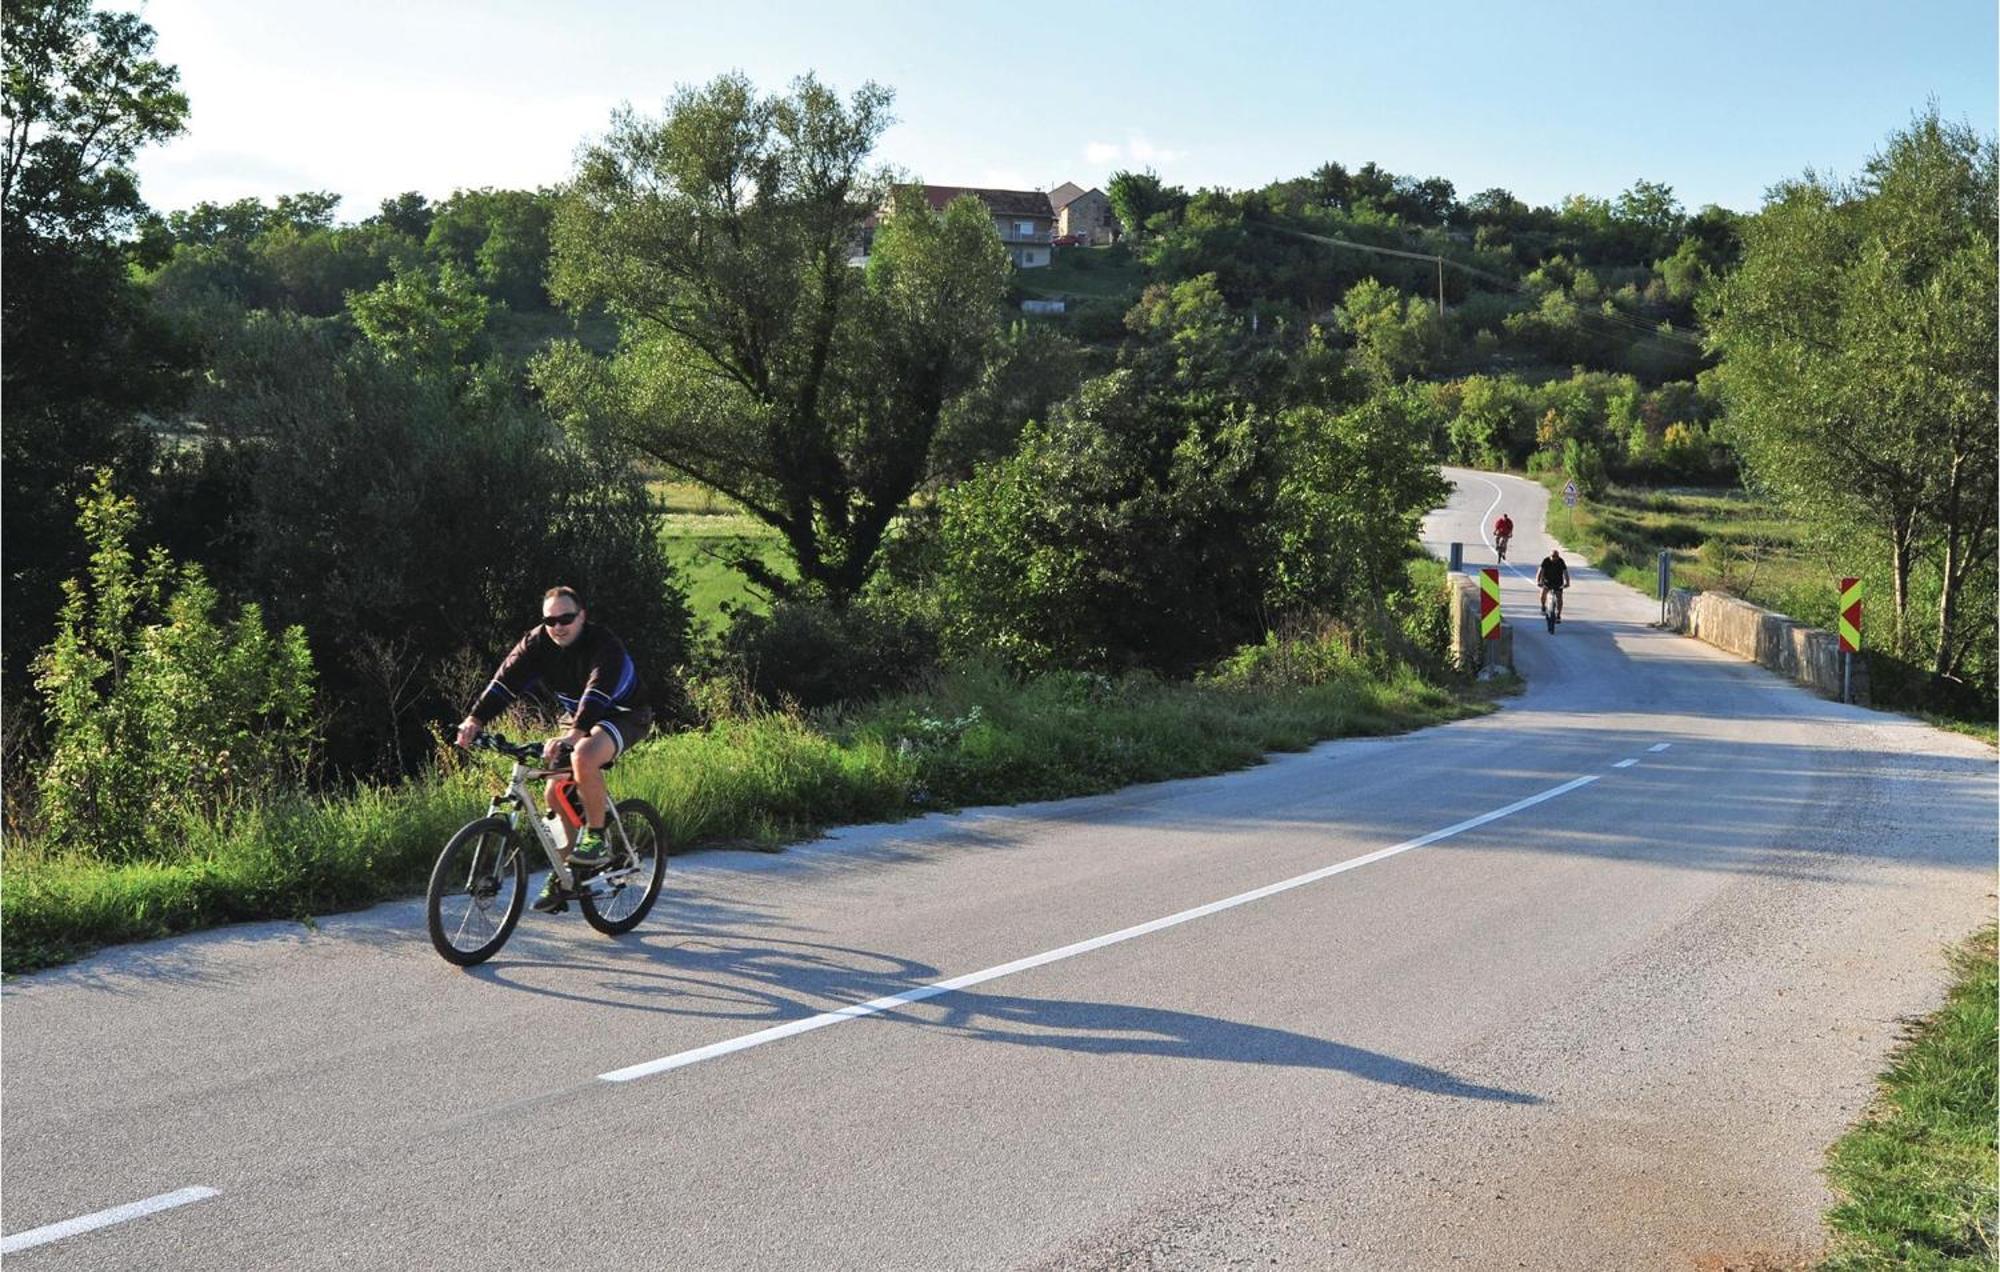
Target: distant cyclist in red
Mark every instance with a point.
(1503, 530)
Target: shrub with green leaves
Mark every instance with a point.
(815, 654)
(1144, 527)
(160, 707)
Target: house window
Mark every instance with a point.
(1024, 229)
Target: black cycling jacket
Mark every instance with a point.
(1553, 572)
(593, 678)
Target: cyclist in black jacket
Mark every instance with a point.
(1552, 573)
(603, 701)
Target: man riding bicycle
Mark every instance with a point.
(603, 700)
(1552, 575)
(1503, 530)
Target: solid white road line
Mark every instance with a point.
(1486, 538)
(102, 1219)
(1625, 763)
(876, 1006)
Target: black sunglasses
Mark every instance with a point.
(561, 620)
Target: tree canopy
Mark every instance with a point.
(82, 95)
(1857, 341)
(756, 358)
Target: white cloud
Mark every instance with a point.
(1136, 150)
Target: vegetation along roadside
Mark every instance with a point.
(971, 734)
(1919, 1176)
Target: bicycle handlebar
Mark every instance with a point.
(526, 752)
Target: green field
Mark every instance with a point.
(700, 530)
(1085, 273)
(521, 335)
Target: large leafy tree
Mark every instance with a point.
(1169, 511)
(1137, 197)
(1857, 340)
(500, 238)
(756, 358)
(82, 94)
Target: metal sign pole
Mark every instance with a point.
(1666, 581)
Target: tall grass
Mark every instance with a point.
(973, 735)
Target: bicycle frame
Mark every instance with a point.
(518, 801)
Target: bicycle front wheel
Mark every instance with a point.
(477, 890)
(616, 900)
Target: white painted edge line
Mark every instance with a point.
(1659, 746)
(1487, 539)
(876, 1006)
(1626, 763)
(103, 1219)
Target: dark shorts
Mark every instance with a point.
(626, 728)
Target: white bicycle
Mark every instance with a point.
(480, 883)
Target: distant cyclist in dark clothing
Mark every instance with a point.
(602, 697)
(1553, 572)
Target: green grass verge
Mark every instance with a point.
(1918, 1177)
(975, 736)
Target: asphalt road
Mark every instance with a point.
(1614, 1025)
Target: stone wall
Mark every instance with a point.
(1467, 650)
(1804, 654)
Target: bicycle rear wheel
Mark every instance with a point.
(477, 890)
(617, 899)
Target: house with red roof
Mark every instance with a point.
(1023, 217)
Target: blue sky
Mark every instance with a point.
(1719, 100)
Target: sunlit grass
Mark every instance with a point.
(1917, 1178)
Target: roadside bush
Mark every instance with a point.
(1097, 321)
(1144, 527)
(158, 707)
(1120, 534)
(1422, 613)
(814, 655)
(1585, 465)
(408, 518)
(1298, 656)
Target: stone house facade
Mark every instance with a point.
(1085, 213)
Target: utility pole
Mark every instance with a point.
(1440, 265)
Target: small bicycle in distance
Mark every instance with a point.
(480, 883)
